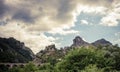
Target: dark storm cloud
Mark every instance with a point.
(65, 9)
(23, 15)
(2, 8)
(3, 23)
(15, 12)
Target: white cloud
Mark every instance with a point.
(91, 9)
(110, 20)
(112, 15)
(84, 22)
(63, 32)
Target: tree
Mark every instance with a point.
(113, 52)
(92, 68)
(47, 67)
(30, 67)
(80, 58)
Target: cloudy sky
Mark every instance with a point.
(39, 23)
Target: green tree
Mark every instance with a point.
(30, 67)
(16, 69)
(113, 52)
(79, 58)
(92, 68)
(47, 67)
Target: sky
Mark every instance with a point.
(39, 23)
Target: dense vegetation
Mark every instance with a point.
(83, 59)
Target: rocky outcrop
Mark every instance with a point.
(101, 42)
(12, 50)
(78, 41)
(48, 50)
(50, 53)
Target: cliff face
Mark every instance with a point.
(78, 41)
(12, 50)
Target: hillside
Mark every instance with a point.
(14, 51)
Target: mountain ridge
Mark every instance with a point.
(102, 42)
(51, 51)
(18, 51)
(78, 41)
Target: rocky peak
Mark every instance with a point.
(50, 48)
(101, 42)
(78, 41)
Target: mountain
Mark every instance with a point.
(14, 51)
(101, 42)
(78, 41)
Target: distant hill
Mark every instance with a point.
(14, 51)
(101, 42)
(78, 41)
